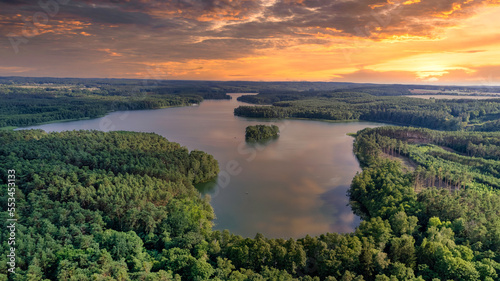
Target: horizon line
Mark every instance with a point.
(261, 81)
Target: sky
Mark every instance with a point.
(377, 41)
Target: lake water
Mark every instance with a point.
(289, 187)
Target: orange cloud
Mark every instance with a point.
(110, 52)
(25, 26)
(400, 40)
(409, 2)
(222, 10)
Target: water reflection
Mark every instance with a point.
(207, 187)
(286, 187)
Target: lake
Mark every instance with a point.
(288, 187)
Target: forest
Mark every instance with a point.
(25, 105)
(261, 132)
(370, 105)
(452, 187)
(26, 101)
(122, 206)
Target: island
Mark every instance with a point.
(92, 205)
(261, 132)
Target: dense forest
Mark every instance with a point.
(122, 206)
(39, 103)
(481, 115)
(261, 132)
(447, 183)
(104, 206)
(91, 205)
(26, 101)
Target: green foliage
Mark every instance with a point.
(261, 132)
(390, 191)
(30, 101)
(94, 204)
(435, 233)
(122, 206)
(376, 104)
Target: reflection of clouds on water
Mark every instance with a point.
(334, 181)
(347, 217)
(300, 226)
(347, 224)
(295, 185)
(288, 196)
(291, 216)
(272, 155)
(302, 185)
(335, 203)
(286, 207)
(215, 136)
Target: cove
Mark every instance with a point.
(287, 187)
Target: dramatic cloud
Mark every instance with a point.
(263, 40)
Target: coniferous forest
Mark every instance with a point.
(122, 206)
(383, 106)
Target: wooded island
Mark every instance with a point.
(261, 132)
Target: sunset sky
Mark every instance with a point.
(408, 41)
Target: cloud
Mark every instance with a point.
(183, 31)
(488, 75)
(14, 69)
(371, 76)
(379, 19)
(259, 19)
